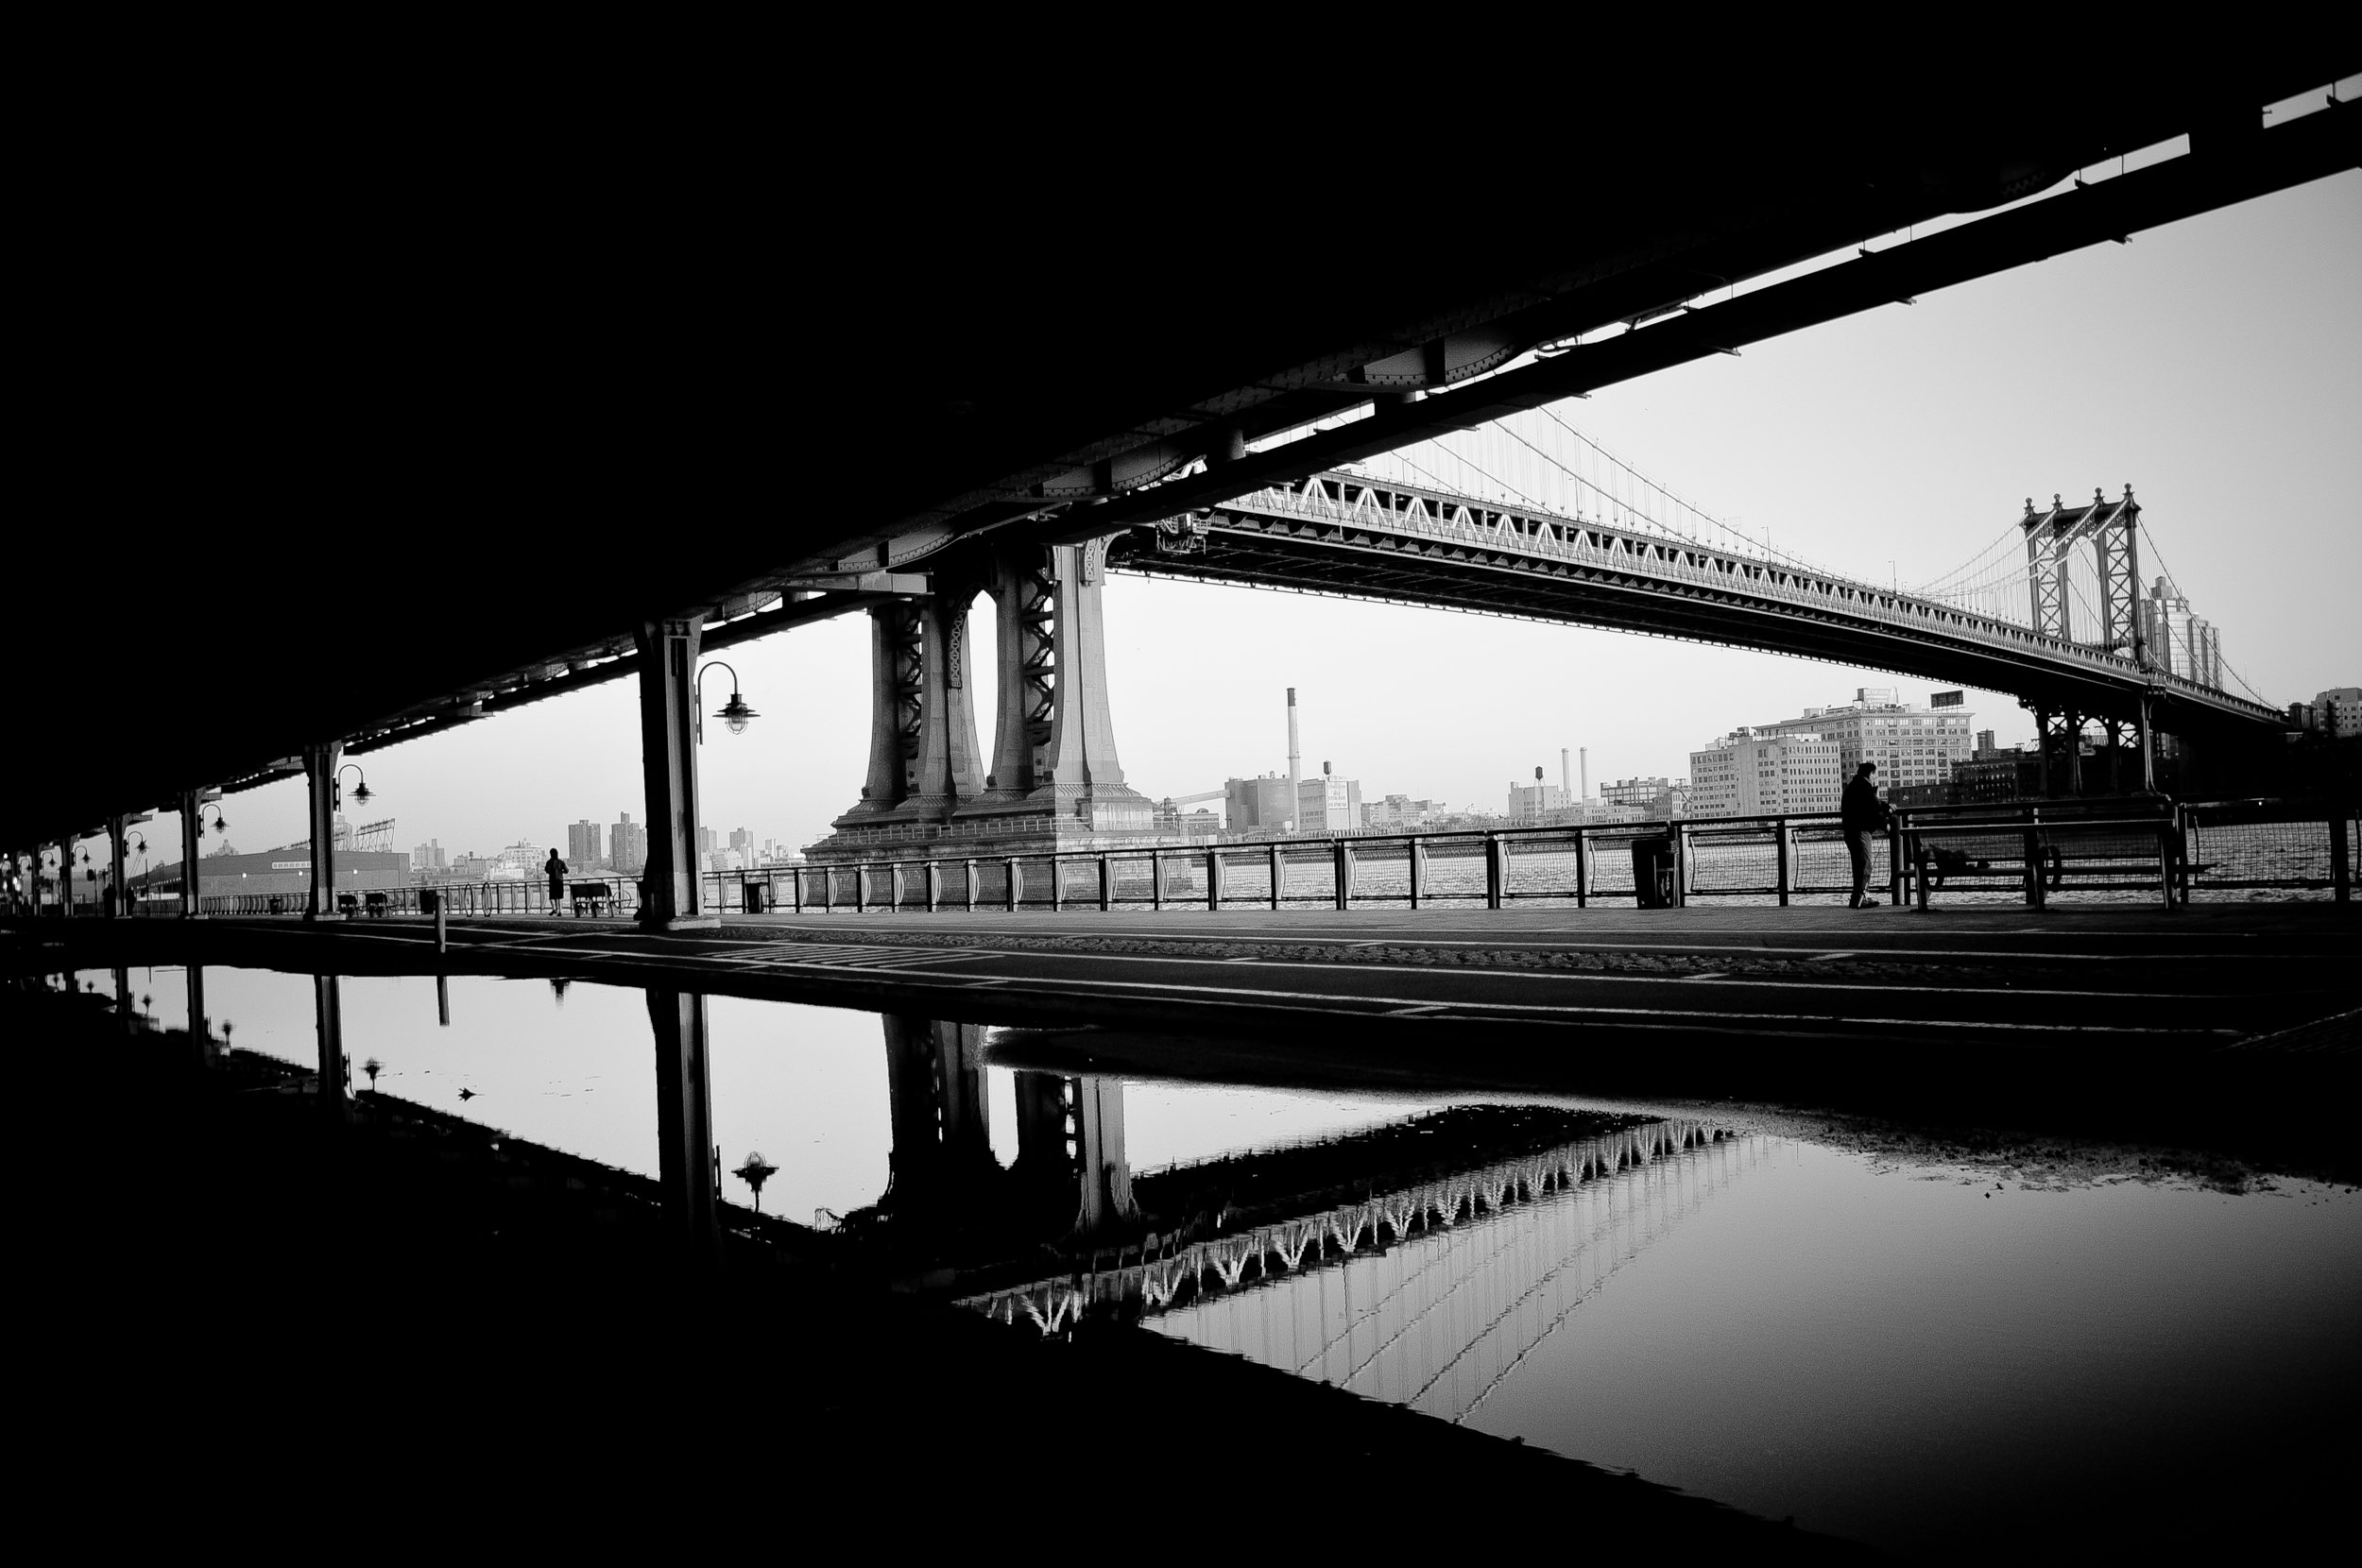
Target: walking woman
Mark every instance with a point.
(556, 871)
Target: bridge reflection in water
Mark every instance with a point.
(1430, 1295)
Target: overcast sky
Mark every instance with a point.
(2215, 366)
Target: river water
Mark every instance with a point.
(1930, 1356)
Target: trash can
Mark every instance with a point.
(1652, 872)
(757, 897)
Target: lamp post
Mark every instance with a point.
(735, 713)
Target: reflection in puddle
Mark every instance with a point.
(1796, 1328)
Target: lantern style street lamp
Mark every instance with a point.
(735, 713)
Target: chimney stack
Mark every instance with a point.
(1295, 763)
(1583, 755)
(1565, 780)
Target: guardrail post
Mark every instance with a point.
(1344, 875)
(2340, 858)
(861, 889)
(2033, 868)
(1680, 866)
(1057, 886)
(1779, 839)
(1213, 878)
(1155, 881)
(1419, 870)
(968, 881)
(1106, 884)
(1582, 868)
(795, 888)
(1894, 867)
(1277, 871)
(442, 932)
(2166, 834)
(1496, 872)
(934, 886)
(1919, 869)
(1009, 883)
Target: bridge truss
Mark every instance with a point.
(1345, 534)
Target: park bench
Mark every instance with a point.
(377, 905)
(348, 905)
(591, 897)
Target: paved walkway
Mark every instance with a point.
(2091, 980)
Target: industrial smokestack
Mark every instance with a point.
(1295, 762)
(1583, 753)
(1566, 783)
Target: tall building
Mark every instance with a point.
(1748, 774)
(1536, 803)
(1654, 799)
(1326, 805)
(2184, 644)
(430, 856)
(742, 841)
(708, 840)
(1912, 745)
(628, 846)
(583, 841)
(1267, 802)
(2339, 711)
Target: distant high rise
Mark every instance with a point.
(1326, 805)
(707, 841)
(584, 840)
(627, 845)
(742, 841)
(430, 856)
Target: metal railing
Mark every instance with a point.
(2147, 848)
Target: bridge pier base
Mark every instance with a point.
(1055, 781)
(192, 840)
(942, 1157)
(1070, 1137)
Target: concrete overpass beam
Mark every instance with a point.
(668, 762)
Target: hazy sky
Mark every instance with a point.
(2215, 366)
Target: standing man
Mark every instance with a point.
(556, 869)
(1863, 814)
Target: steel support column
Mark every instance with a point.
(116, 887)
(668, 761)
(320, 763)
(192, 843)
(200, 1030)
(66, 878)
(688, 1163)
(328, 1012)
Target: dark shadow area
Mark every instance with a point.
(398, 1312)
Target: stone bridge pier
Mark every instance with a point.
(1070, 1159)
(1052, 779)
(942, 1157)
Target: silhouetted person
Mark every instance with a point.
(556, 871)
(1863, 814)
